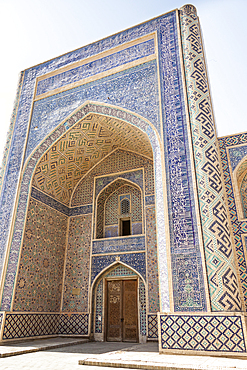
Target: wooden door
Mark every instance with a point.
(122, 311)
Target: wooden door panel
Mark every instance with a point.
(130, 313)
(114, 310)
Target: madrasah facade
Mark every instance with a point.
(123, 215)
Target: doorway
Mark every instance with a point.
(121, 310)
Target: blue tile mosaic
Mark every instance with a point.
(149, 200)
(133, 176)
(25, 325)
(124, 244)
(122, 57)
(53, 203)
(73, 324)
(30, 168)
(135, 260)
(236, 155)
(135, 89)
(143, 82)
(202, 333)
(152, 326)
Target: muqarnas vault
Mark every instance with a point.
(123, 216)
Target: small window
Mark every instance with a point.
(125, 206)
(125, 226)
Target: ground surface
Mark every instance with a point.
(144, 356)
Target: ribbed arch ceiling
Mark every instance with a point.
(83, 146)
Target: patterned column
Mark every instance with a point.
(222, 276)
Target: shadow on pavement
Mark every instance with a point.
(106, 347)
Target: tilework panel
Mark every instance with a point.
(100, 65)
(149, 200)
(30, 325)
(99, 307)
(27, 176)
(136, 228)
(76, 324)
(112, 206)
(143, 308)
(19, 325)
(222, 275)
(236, 154)
(202, 333)
(152, 261)
(135, 89)
(77, 268)
(85, 144)
(111, 231)
(134, 260)
(135, 177)
(42, 258)
(100, 207)
(53, 203)
(122, 244)
(238, 227)
(183, 223)
(152, 326)
(117, 162)
(110, 193)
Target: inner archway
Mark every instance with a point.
(60, 260)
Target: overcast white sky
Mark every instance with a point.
(33, 31)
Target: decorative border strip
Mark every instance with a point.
(53, 203)
(220, 262)
(238, 227)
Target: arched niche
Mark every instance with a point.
(110, 220)
(39, 157)
(118, 271)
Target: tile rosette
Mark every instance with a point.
(222, 276)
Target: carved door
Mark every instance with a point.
(122, 314)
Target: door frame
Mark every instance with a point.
(105, 308)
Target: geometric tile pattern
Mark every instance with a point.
(100, 65)
(135, 260)
(152, 261)
(222, 276)
(238, 227)
(116, 162)
(143, 308)
(30, 325)
(46, 199)
(90, 140)
(112, 206)
(40, 272)
(77, 268)
(202, 333)
(73, 324)
(30, 167)
(152, 326)
(184, 225)
(123, 244)
(33, 324)
(236, 154)
(108, 210)
(99, 307)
